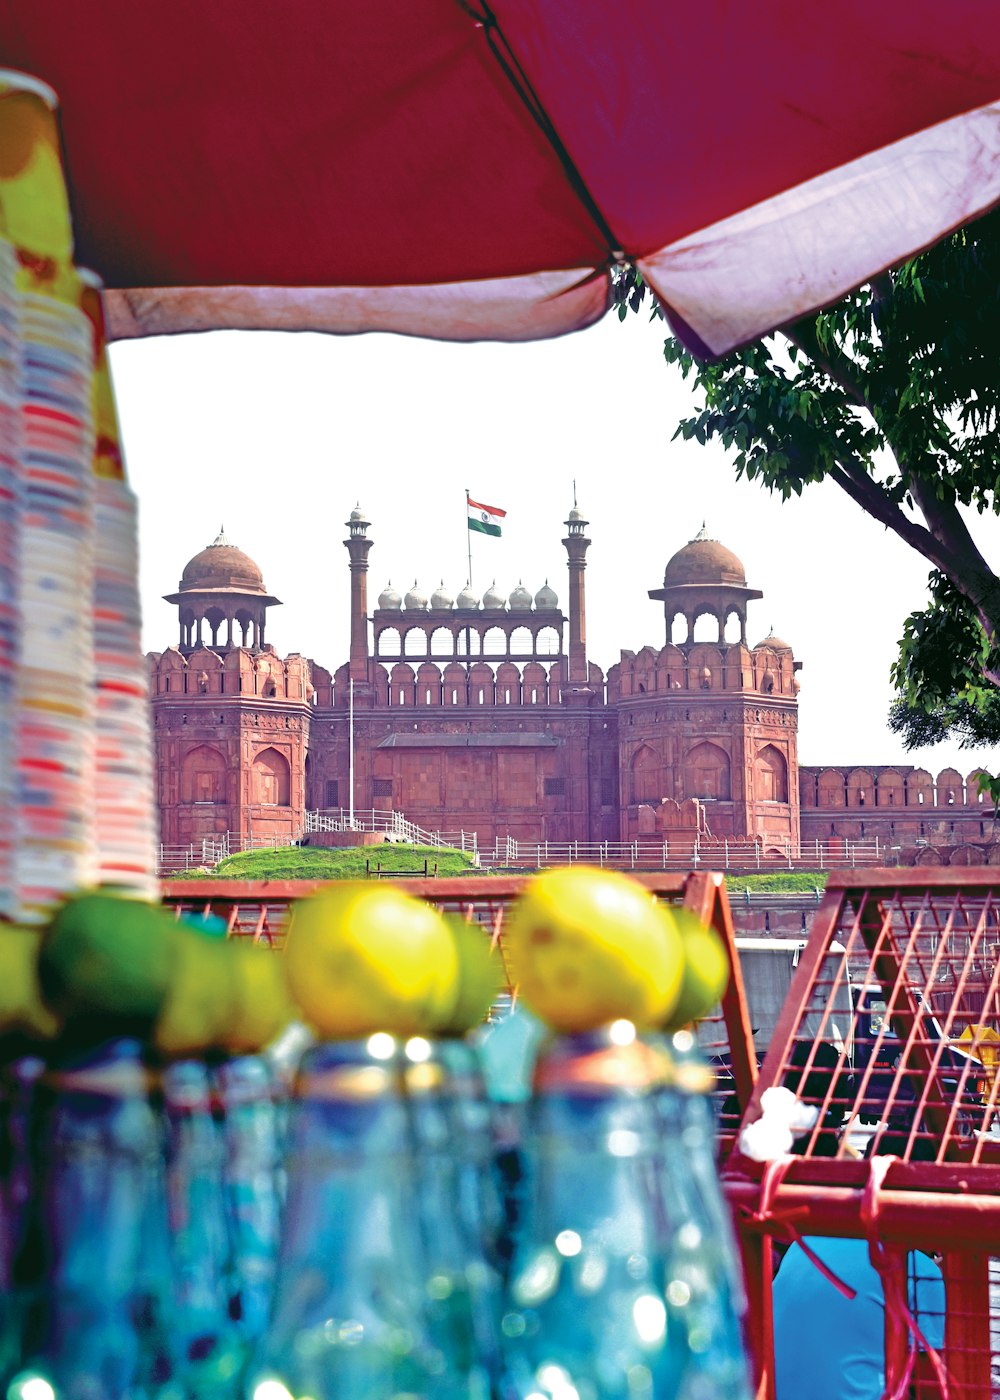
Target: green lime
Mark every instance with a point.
(706, 969)
(106, 960)
(481, 976)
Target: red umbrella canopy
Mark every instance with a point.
(440, 168)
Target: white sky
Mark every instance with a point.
(277, 435)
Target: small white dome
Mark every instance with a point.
(466, 600)
(520, 599)
(546, 597)
(441, 598)
(493, 599)
(576, 514)
(415, 601)
(389, 598)
(357, 513)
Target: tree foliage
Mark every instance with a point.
(894, 394)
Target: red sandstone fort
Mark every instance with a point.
(486, 714)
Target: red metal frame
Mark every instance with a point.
(929, 939)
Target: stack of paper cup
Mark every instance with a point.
(125, 828)
(10, 514)
(55, 699)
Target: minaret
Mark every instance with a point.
(358, 545)
(576, 544)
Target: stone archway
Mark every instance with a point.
(271, 780)
(707, 773)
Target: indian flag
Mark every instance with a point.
(485, 519)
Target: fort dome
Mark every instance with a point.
(493, 599)
(467, 599)
(415, 601)
(520, 599)
(389, 598)
(221, 567)
(774, 642)
(546, 597)
(441, 599)
(704, 561)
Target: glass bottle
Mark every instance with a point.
(585, 1316)
(351, 1317)
(252, 1189)
(19, 1255)
(704, 1290)
(448, 1119)
(100, 1183)
(203, 1336)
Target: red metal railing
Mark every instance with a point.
(897, 985)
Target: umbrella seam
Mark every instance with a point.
(518, 79)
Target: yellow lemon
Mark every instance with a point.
(367, 957)
(706, 969)
(263, 1006)
(201, 1005)
(591, 946)
(481, 976)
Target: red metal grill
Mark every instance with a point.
(890, 1029)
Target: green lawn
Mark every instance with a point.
(319, 863)
(778, 882)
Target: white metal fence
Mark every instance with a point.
(684, 855)
(392, 823)
(509, 853)
(210, 850)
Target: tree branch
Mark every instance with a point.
(851, 477)
(803, 334)
(970, 572)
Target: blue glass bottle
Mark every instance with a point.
(253, 1179)
(18, 1228)
(100, 1170)
(703, 1291)
(585, 1314)
(458, 1205)
(351, 1317)
(203, 1337)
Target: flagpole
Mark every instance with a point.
(468, 534)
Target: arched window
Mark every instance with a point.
(415, 642)
(387, 643)
(647, 775)
(547, 642)
(889, 790)
(919, 788)
(771, 772)
(203, 775)
(271, 779)
(860, 788)
(831, 788)
(707, 773)
(442, 642)
(521, 642)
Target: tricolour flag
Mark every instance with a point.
(485, 519)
